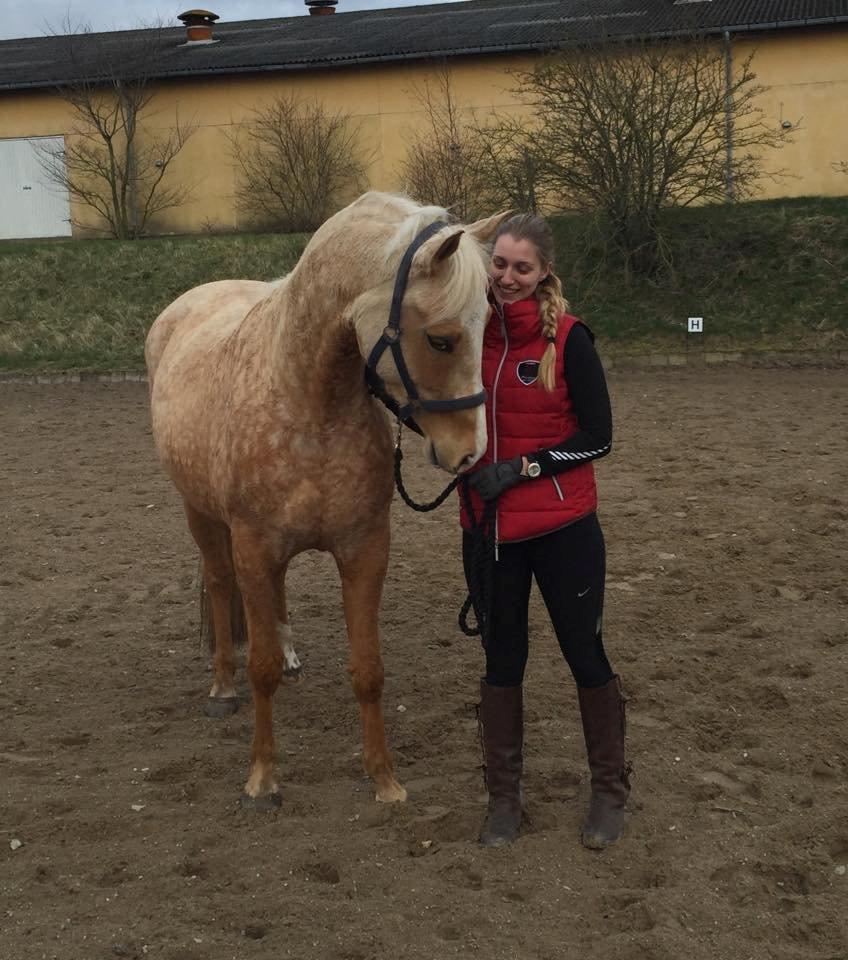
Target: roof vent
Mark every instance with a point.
(198, 24)
(320, 8)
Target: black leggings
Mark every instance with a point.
(569, 566)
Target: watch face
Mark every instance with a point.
(533, 469)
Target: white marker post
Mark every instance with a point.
(693, 351)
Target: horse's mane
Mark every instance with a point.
(414, 218)
(466, 273)
(466, 276)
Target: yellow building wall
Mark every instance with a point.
(381, 101)
(806, 73)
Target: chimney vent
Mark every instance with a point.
(320, 8)
(198, 24)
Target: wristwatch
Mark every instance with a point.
(533, 468)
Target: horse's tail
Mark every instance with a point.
(207, 624)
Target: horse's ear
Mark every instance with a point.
(438, 249)
(484, 230)
(448, 247)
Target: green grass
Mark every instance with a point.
(764, 275)
(87, 305)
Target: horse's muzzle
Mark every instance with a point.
(464, 463)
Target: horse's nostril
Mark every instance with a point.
(466, 462)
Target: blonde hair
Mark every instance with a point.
(552, 302)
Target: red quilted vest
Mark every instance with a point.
(521, 416)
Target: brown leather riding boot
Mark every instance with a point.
(502, 737)
(602, 711)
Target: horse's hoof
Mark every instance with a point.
(220, 707)
(262, 803)
(391, 793)
(292, 667)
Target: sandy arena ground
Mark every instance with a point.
(726, 516)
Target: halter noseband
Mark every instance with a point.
(391, 339)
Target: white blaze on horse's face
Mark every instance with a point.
(443, 318)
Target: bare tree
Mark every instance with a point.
(622, 131)
(297, 163)
(468, 164)
(442, 164)
(508, 163)
(114, 162)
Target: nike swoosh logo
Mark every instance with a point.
(584, 592)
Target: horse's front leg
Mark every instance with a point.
(362, 571)
(258, 574)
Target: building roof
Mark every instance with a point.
(373, 36)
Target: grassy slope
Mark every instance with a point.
(768, 275)
(87, 304)
(763, 275)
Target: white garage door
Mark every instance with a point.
(30, 204)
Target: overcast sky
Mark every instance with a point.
(37, 18)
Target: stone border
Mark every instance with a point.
(649, 361)
(710, 358)
(116, 376)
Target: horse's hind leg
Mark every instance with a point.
(213, 540)
(363, 571)
(292, 667)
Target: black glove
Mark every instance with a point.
(494, 479)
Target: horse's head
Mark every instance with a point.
(442, 317)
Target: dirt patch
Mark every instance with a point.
(726, 519)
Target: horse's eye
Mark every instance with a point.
(442, 344)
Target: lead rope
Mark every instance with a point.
(482, 549)
(420, 507)
(481, 572)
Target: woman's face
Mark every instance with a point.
(515, 269)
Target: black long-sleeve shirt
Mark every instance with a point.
(587, 388)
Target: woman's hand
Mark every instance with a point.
(494, 479)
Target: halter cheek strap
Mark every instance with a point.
(391, 339)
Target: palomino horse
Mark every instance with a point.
(263, 421)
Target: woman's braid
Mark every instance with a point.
(552, 305)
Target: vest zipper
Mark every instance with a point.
(558, 488)
(502, 317)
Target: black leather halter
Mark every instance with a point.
(391, 339)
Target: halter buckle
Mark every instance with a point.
(391, 334)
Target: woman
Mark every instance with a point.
(548, 417)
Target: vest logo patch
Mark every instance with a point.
(528, 371)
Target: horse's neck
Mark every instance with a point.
(313, 359)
